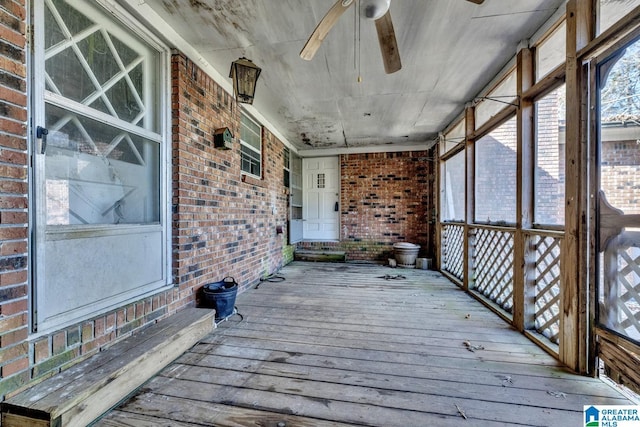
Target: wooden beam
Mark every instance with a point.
(505, 114)
(523, 287)
(546, 85)
(574, 307)
(437, 253)
(469, 194)
(615, 36)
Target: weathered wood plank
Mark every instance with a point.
(195, 413)
(525, 379)
(432, 337)
(340, 403)
(490, 351)
(418, 360)
(332, 345)
(365, 407)
(79, 395)
(464, 384)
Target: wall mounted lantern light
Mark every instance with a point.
(244, 74)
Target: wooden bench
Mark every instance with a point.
(82, 393)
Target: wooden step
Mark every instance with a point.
(319, 255)
(82, 393)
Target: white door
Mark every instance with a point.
(99, 142)
(321, 193)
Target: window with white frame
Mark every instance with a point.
(250, 146)
(101, 108)
(287, 167)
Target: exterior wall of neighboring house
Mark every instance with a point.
(223, 225)
(620, 162)
(386, 198)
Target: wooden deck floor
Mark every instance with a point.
(338, 344)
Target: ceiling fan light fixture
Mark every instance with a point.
(374, 9)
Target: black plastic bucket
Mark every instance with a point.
(221, 296)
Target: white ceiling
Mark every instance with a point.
(450, 50)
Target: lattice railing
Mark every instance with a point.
(493, 266)
(453, 249)
(621, 295)
(546, 281)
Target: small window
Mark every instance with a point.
(287, 169)
(251, 146)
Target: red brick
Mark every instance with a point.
(17, 202)
(131, 312)
(100, 324)
(13, 322)
(12, 127)
(14, 307)
(13, 172)
(15, 366)
(13, 278)
(12, 96)
(41, 350)
(110, 322)
(13, 233)
(14, 352)
(87, 332)
(15, 8)
(121, 318)
(13, 37)
(7, 217)
(13, 337)
(59, 342)
(17, 187)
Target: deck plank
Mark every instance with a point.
(337, 344)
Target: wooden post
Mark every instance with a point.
(574, 328)
(437, 253)
(523, 303)
(469, 195)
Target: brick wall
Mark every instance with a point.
(620, 162)
(386, 198)
(14, 349)
(549, 172)
(224, 225)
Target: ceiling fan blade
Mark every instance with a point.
(476, 1)
(323, 28)
(388, 43)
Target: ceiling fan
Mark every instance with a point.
(377, 10)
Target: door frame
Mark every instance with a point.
(305, 204)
